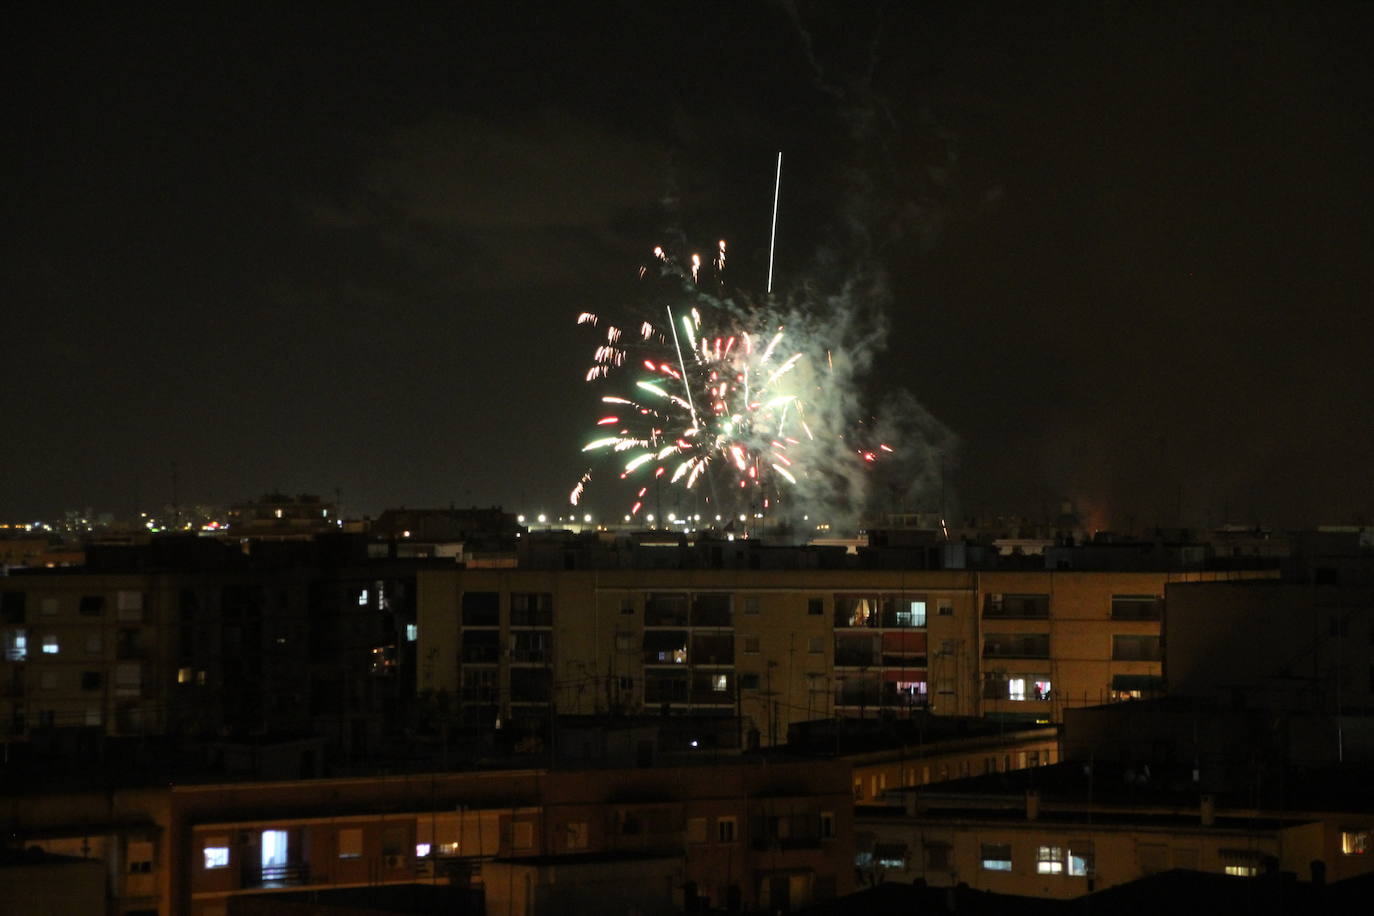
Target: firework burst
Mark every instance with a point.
(707, 397)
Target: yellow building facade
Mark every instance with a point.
(789, 645)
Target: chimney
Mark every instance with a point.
(1209, 810)
(1032, 805)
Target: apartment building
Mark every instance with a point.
(1068, 830)
(192, 637)
(779, 646)
(747, 835)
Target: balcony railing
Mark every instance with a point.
(285, 875)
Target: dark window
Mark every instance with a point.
(665, 610)
(857, 651)
(481, 609)
(531, 609)
(857, 690)
(529, 648)
(1135, 648)
(483, 646)
(937, 857)
(1022, 606)
(12, 607)
(479, 685)
(90, 680)
(1136, 607)
(665, 686)
(188, 604)
(1016, 645)
(92, 605)
(815, 607)
(710, 649)
(711, 610)
(749, 681)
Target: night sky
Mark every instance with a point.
(1127, 245)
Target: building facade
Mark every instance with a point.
(748, 834)
(779, 646)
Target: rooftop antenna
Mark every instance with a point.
(773, 239)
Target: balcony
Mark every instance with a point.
(879, 612)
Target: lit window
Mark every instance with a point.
(996, 856)
(217, 853)
(362, 597)
(1241, 863)
(185, 675)
(50, 646)
(1016, 688)
(1355, 842)
(913, 616)
(720, 683)
(890, 855)
(1080, 857)
(421, 850)
(412, 632)
(1049, 860)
